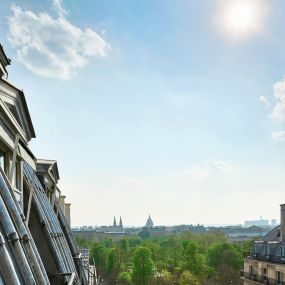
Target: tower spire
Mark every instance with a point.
(121, 223)
(114, 222)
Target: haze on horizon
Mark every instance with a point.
(173, 109)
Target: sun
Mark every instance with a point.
(241, 16)
(240, 19)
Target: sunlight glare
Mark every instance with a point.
(239, 19)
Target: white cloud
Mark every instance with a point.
(278, 111)
(52, 47)
(278, 136)
(210, 167)
(137, 184)
(265, 101)
(57, 4)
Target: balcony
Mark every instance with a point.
(268, 257)
(261, 279)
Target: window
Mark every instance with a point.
(16, 177)
(16, 183)
(264, 273)
(267, 250)
(251, 271)
(279, 277)
(282, 252)
(2, 160)
(254, 249)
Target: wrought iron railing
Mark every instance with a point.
(261, 279)
(268, 257)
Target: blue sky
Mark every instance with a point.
(154, 106)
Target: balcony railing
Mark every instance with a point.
(268, 257)
(261, 279)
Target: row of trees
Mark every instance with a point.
(181, 259)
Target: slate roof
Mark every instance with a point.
(51, 225)
(20, 262)
(273, 235)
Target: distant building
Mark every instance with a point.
(259, 223)
(115, 231)
(266, 263)
(274, 223)
(115, 227)
(149, 222)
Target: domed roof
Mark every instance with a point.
(149, 222)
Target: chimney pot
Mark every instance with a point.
(282, 222)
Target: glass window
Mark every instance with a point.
(254, 249)
(2, 160)
(264, 273)
(283, 252)
(278, 277)
(267, 249)
(15, 180)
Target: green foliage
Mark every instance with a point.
(113, 262)
(99, 252)
(177, 259)
(224, 253)
(82, 242)
(165, 278)
(143, 266)
(187, 278)
(124, 278)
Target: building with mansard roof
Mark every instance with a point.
(36, 243)
(266, 263)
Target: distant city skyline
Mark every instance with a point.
(170, 108)
(243, 223)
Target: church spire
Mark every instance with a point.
(114, 222)
(121, 223)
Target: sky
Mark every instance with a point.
(170, 108)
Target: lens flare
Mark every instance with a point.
(240, 19)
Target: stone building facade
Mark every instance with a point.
(36, 243)
(266, 264)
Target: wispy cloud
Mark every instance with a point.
(278, 136)
(137, 183)
(209, 167)
(53, 47)
(58, 6)
(265, 101)
(278, 111)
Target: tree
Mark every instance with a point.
(226, 259)
(143, 266)
(165, 278)
(99, 253)
(124, 278)
(187, 278)
(221, 254)
(113, 264)
(194, 261)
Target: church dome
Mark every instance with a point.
(149, 222)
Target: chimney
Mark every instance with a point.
(282, 223)
(67, 212)
(62, 203)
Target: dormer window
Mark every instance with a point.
(254, 249)
(282, 252)
(16, 185)
(3, 161)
